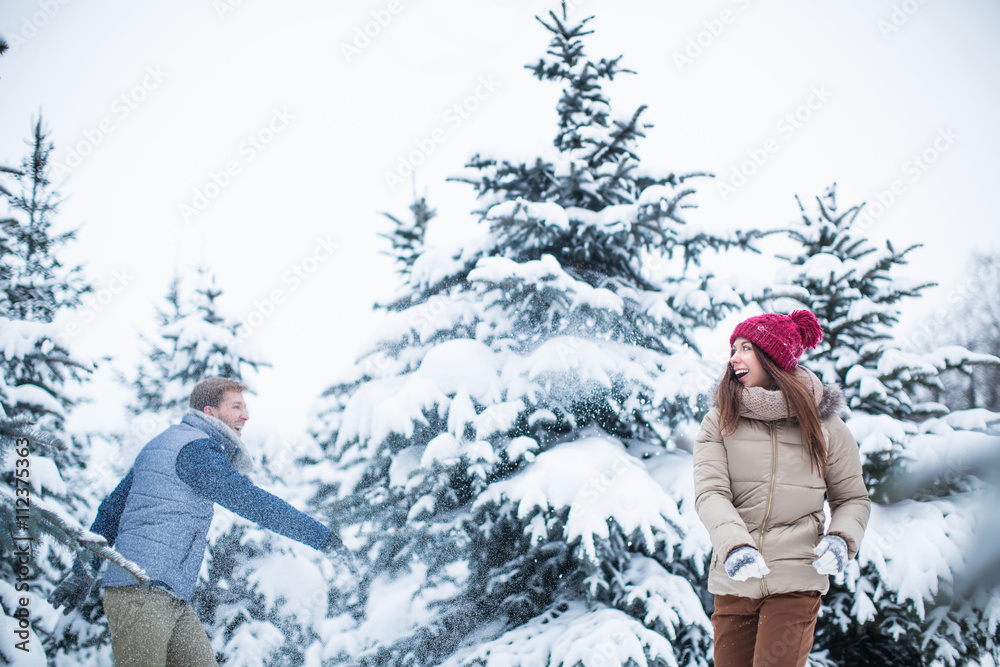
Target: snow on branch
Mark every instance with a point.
(545, 272)
(570, 634)
(599, 482)
(956, 356)
(670, 602)
(915, 546)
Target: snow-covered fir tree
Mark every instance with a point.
(194, 340)
(153, 371)
(902, 602)
(35, 285)
(43, 376)
(855, 287)
(503, 455)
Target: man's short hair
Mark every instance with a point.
(209, 392)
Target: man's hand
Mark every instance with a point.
(337, 552)
(72, 592)
(344, 556)
(744, 563)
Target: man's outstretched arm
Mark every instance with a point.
(209, 472)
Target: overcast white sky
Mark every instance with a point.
(276, 123)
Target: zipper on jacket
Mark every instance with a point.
(770, 498)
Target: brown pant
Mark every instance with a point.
(152, 628)
(774, 631)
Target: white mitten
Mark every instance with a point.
(832, 552)
(744, 563)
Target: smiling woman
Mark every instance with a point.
(771, 415)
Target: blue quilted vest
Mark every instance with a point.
(164, 525)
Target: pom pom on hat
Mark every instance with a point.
(783, 337)
(809, 328)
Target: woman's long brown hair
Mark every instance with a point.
(798, 401)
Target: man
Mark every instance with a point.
(158, 518)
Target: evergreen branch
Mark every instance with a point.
(623, 168)
(52, 523)
(627, 131)
(824, 211)
(17, 429)
(680, 178)
(675, 204)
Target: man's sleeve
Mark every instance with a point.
(109, 516)
(209, 472)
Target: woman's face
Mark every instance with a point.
(746, 367)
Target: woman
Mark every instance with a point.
(768, 454)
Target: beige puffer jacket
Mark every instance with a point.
(755, 487)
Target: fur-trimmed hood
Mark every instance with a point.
(833, 402)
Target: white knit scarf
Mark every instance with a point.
(242, 460)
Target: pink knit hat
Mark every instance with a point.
(783, 337)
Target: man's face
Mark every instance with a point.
(232, 411)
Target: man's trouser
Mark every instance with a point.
(773, 631)
(152, 628)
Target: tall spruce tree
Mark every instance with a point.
(493, 453)
(193, 339)
(202, 341)
(35, 285)
(900, 603)
(43, 381)
(42, 376)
